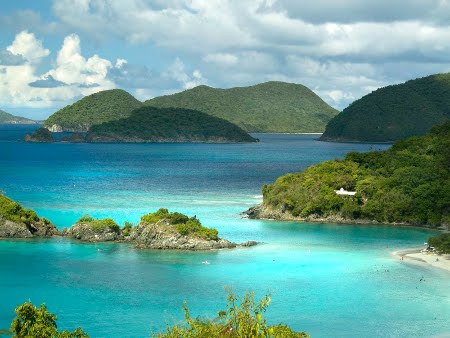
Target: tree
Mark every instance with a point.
(33, 322)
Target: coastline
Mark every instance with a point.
(416, 256)
(261, 212)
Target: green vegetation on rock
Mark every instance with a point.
(42, 135)
(33, 322)
(394, 112)
(269, 107)
(184, 225)
(150, 124)
(243, 317)
(104, 106)
(13, 211)
(6, 118)
(441, 242)
(408, 183)
(100, 225)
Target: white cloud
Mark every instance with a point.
(178, 72)
(26, 45)
(72, 76)
(221, 59)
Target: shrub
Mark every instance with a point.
(242, 318)
(126, 230)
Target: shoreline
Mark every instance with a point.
(416, 256)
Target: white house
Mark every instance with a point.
(345, 192)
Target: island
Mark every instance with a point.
(103, 106)
(394, 112)
(270, 107)
(162, 230)
(150, 124)
(6, 118)
(406, 184)
(18, 222)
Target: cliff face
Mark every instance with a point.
(162, 235)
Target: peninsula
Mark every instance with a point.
(406, 184)
(6, 118)
(394, 112)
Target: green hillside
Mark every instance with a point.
(408, 183)
(150, 124)
(394, 112)
(104, 106)
(6, 118)
(266, 107)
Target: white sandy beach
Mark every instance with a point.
(433, 259)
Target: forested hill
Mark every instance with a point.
(104, 106)
(6, 118)
(408, 183)
(394, 112)
(150, 124)
(266, 107)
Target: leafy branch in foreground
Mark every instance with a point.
(242, 318)
(33, 322)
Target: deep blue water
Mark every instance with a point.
(330, 280)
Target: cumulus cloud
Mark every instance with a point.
(26, 45)
(73, 75)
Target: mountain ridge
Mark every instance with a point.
(273, 106)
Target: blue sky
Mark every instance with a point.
(53, 52)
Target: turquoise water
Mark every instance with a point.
(329, 280)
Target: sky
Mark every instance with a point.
(53, 52)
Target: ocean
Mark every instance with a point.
(329, 280)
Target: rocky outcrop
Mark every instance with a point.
(42, 135)
(89, 233)
(162, 235)
(11, 229)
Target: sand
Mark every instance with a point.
(416, 256)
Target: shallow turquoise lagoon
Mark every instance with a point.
(330, 280)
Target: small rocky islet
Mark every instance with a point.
(161, 230)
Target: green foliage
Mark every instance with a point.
(86, 218)
(33, 322)
(441, 242)
(126, 230)
(184, 225)
(40, 135)
(394, 112)
(267, 107)
(407, 183)
(104, 106)
(13, 211)
(100, 225)
(242, 318)
(6, 118)
(150, 124)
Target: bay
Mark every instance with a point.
(330, 280)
